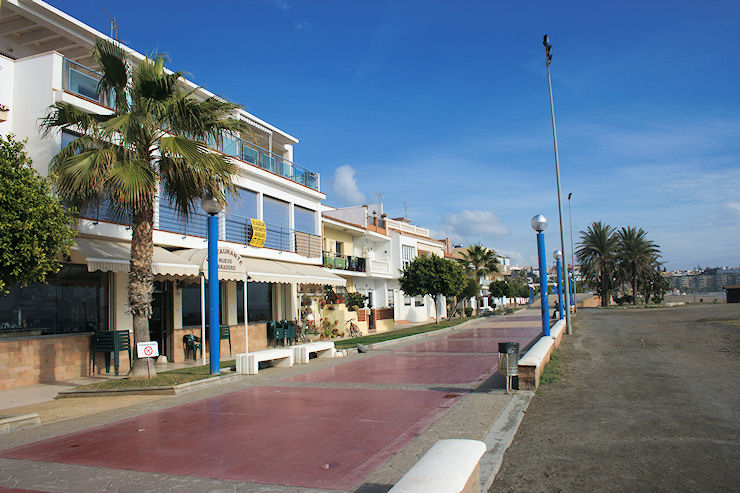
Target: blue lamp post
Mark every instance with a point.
(539, 223)
(572, 290)
(213, 207)
(558, 255)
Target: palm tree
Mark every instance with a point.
(153, 138)
(478, 261)
(597, 256)
(637, 255)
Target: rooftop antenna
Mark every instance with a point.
(113, 25)
(405, 210)
(380, 201)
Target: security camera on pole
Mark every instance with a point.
(548, 46)
(539, 223)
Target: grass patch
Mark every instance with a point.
(397, 334)
(163, 379)
(553, 370)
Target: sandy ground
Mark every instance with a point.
(650, 402)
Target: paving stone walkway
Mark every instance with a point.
(353, 424)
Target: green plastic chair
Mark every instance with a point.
(275, 331)
(192, 343)
(110, 341)
(225, 333)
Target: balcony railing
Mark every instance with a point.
(102, 211)
(253, 154)
(239, 230)
(344, 262)
(196, 224)
(83, 81)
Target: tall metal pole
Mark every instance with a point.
(546, 42)
(214, 339)
(572, 281)
(560, 288)
(543, 284)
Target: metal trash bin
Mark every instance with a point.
(508, 363)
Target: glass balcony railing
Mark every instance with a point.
(83, 81)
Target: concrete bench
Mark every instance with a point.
(323, 349)
(248, 363)
(531, 364)
(450, 466)
(556, 332)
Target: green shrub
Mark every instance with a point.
(468, 312)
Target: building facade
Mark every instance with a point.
(45, 58)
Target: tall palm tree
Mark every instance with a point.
(637, 255)
(478, 261)
(153, 138)
(597, 256)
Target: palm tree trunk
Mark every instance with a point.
(604, 292)
(634, 284)
(140, 284)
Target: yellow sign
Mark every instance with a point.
(259, 233)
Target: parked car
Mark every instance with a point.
(486, 311)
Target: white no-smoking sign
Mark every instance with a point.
(149, 349)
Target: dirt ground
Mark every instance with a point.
(650, 401)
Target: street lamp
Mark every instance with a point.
(539, 223)
(212, 208)
(548, 56)
(572, 277)
(557, 254)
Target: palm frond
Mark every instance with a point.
(116, 71)
(67, 116)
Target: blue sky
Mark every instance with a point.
(444, 106)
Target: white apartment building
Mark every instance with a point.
(45, 58)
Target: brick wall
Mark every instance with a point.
(44, 359)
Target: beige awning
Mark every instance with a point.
(113, 256)
(263, 270)
(231, 266)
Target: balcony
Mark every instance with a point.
(344, 262)
(238, 229)
(262, 158)
(83, 81)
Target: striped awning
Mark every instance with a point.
(113, 256)
(231, 266)
(263, 270)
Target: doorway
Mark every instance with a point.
(160, 324)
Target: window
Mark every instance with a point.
(244, 203)
(390, 298)
(406, 300)
(338, 247)
(407, 255)
(305, 220)
(67, 138)
(275, 212)
(190, 304)
(242, 207)
(74, 300)
(259, 302)
(419, 300)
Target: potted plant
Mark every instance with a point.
(3, 112)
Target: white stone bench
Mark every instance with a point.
(248, 363)
(450, 466)
(531, 364)
(323, 349)
(556, 331)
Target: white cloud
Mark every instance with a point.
(734, 206)
(344, 186)
(472, 226)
